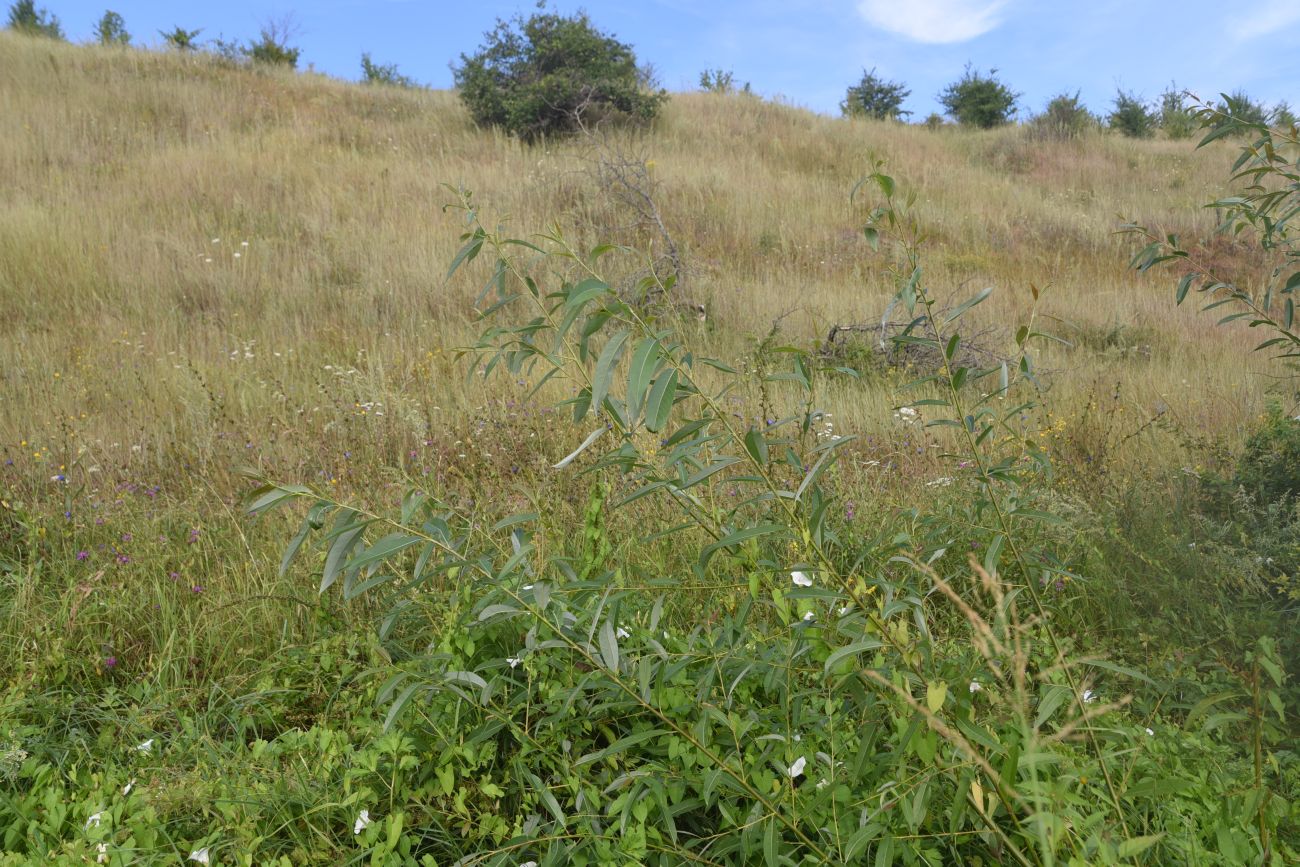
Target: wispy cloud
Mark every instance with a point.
(934, 21)
(1266, 21)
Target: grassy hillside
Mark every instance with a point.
(204, 268)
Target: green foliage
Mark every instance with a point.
(111, 30)
(272, 47)
(552, 74)
(1175, 118)
(1269, 468)
(875, 97)
(1064, 118)
(25, 18)
(721, 81)
(979, 100)
(1241, 107)
(383, 73)
(180, 39)
(1283, 116)
(1131, 116)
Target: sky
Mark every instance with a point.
(802, 51)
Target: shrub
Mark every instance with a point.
(1175, 116)
(1283, 116)
(25, 18)
(721, 81)
(1131, 116)
(551, 74)
(181, 39)
(979, 100)
(383, 73)
(1241, 107)
(1269, 468)
(875, 97)
(272, 46)
(1065, 117)
(111, 30)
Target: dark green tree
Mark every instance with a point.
(1175, 118)
(272, 46)
(875, 97)
(383, 73)
(111, 30)
(25, 18)
(721, 81)
(1065, 117)
(1283, 115)
(979, 100)
(1131, 116)
(1240, 105)
(180, 38)
(552, 74)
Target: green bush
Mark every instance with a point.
(1065, 117)
(552, 74)
(1269, 469)
(272, 47)
(1175, 116)
(383, 73)
(180, 39)
(1131, 116)
(25, 18)
(979, 100)
(875, 97)
(111, 30)
(721, 81)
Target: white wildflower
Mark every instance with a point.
(102, 857)
(93, 821)
(1150, 733)
(201, 856)
(800, 579)
(1088, 696)
(797, 768)
(906, 415)
(526, 587)
(809, 616)
(362, 822)
(126, 790)
(513, 660)
(941, 482)
(622, 633)
(216, 240)
(844, 609)
(145, 746)
(528, 864)
(975, 686)
(821, 784)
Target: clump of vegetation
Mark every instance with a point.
(979, 100)
(1064, 118)
(180, 39)
(272, 46)
(25, 18)
(1175, 115)
(722, 81)
(552, 74)
(111, 30)
(1131, 116)
(383, 74)
(875, 97)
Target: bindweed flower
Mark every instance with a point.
(126, 790)
(102, 857)
(201, 856)
(362, 822)
(622, 633)
(800, 579)
(513, 661)
(1088, 696)
(809, 617)
(144, 746)
(94, 820)
(796, 769)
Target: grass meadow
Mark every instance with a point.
(208, 271)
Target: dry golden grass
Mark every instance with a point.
(138, 331)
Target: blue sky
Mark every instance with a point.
(804, 51)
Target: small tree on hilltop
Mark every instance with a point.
(383, 73)
(1065, 117)
(1240, 105)
(721, 81)
(552, 74)
(1175, 118)
(272, 46)
(25, 18)
(1283, 115)
(979, 100)
(181, 39)
(1131, 116)
(111, 30)
(875, 97)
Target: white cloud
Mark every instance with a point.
(935, 21)
(1270, 20)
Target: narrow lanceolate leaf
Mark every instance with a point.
(639, 374)
(270, 496)
(736, 538)
(609, 646)
(659, 405)
(338, 555)
(568, 459)
(605, 365)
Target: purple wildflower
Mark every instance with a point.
(83, 556)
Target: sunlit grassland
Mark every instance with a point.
(203, 268)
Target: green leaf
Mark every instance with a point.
(338, 554)
(609, 646)
(851, 650)
(736, 538)
(1137, 845)
(605, 365)
(639, 373)
(659, 405)
(591, 438)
